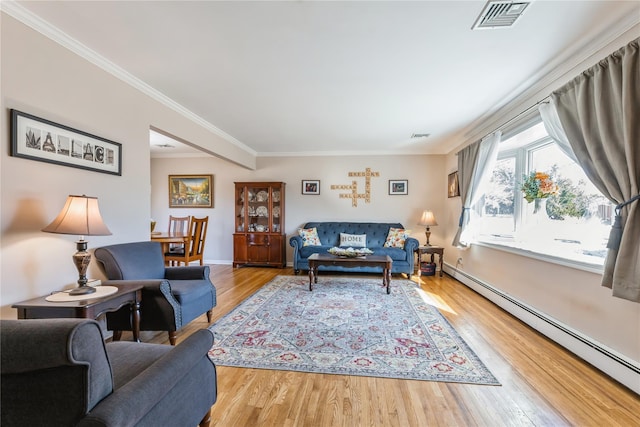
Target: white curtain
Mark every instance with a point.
(551, 120)
(475, 166)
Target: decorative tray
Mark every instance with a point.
(350, 252)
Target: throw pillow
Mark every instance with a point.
(396, 237)
(353, 240)
(309, 236)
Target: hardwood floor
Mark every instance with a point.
(542, 384)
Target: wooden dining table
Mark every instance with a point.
(166, 238)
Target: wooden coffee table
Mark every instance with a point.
(384, 261)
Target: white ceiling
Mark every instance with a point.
(335, 77)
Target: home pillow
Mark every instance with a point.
(353, 240)
(309, 236)
(396, 237)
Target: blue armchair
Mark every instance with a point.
(60, 372)
(172, 296)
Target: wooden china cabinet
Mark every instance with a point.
(259, 237)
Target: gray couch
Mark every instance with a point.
(60, 372)
(329, 234)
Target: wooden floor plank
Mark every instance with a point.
(542, 383)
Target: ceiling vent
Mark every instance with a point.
(420, 135)
(500, 14)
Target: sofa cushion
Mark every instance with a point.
(129, 359)
(396, 237)
(353, 240)
(309, 236)
(186, 291)
(396, 254)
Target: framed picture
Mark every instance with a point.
(45, 141)
(190, 191)
(310, 187)
(453, 189)
(398, 187)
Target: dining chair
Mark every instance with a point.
(198, 234)
(178, 224)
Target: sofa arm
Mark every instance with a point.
(410, 246)
(37, 351)
(135, 399)
(158, 301)
(195, 272)
(295, 242)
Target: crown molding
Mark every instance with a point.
(38, 24)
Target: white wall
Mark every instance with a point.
(425, 174)
(40, 77)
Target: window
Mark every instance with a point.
(571, 225)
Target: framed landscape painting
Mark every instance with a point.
(190, 191)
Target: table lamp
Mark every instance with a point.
(80, 216)
(428, 219)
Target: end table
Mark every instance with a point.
(420, 250)
(91, 308)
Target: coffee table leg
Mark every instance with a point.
(387, 279)
(310, 277)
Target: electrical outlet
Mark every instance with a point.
(459, 260)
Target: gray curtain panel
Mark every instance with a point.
(467, 159)
(475, 165)
(600, 113)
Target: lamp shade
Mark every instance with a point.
(79, 216)
(428, 219)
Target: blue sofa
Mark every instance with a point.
(329, 234)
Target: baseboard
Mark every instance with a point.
(612, 363)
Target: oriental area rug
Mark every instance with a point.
(346, 326)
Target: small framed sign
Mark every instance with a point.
(45, 141)
(398, 187)
(310, 187)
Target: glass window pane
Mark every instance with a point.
(574, 224)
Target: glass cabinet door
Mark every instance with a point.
(240, 209)
(277, 213)
(258, 209)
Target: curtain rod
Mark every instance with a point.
(527, 110)
(522, 113)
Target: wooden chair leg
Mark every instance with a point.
(209, 316)
(172, 337)
(206, 420)
(117, 335)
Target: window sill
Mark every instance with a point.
(578, 265)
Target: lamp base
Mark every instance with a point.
(82, 290)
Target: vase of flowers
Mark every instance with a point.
(537, 187)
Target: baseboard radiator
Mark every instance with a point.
(607, 360)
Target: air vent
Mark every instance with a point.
(499, 14)
(164, 145)
(420, 135)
